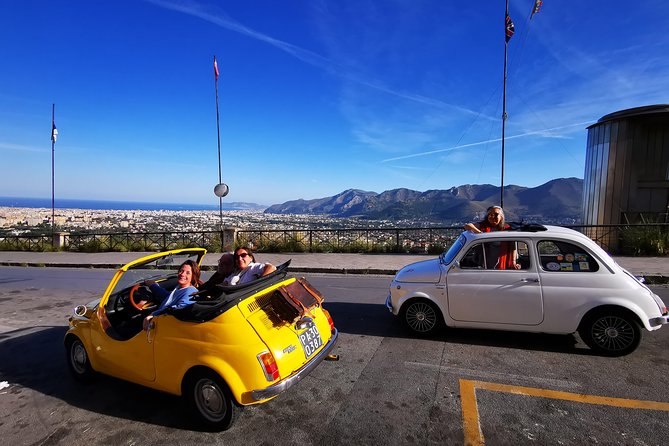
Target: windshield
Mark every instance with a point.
(155, 269)
(448, 256)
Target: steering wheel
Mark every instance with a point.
(142, 300)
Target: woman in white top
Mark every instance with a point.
(246, 268)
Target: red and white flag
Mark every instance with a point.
(536, 7)
(215, 69)
(510, 28)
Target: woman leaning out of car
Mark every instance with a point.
(495, 221)
(188, 278)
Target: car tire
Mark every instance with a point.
(77, 360)
(211, 401)
(611, 332)
(421, 317)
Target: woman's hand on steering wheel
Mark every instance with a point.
(140, 303)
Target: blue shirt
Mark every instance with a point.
(178, 298)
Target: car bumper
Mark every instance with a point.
(389, 303)
(662, 320)
(275, 389)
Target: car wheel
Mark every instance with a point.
(421, 316)
(77, 360)
(211, 401)
(611, 333)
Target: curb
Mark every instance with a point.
(655, 279)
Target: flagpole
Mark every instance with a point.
(504, 116)
(218, 133)
(53, 155)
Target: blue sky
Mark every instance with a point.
(315, 96)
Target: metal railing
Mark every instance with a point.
(637, 239)
(26, 243)
(629, 239)
(423, 240)
(143, 241)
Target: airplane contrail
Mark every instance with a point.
(448, 149)
(197, 10)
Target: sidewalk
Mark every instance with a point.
(655, 269)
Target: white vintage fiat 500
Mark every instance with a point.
(544, 279)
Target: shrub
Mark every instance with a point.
(645, 241)
(93, 245)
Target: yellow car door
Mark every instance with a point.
(130, 359)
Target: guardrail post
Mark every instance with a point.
(397, 240)
(59, 240)
(228, 237)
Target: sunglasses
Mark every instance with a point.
(242, 255)
(494, 214)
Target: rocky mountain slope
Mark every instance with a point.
(557, 201)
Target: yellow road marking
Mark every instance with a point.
(470, 413)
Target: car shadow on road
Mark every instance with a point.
(35, 358)
(376, 320)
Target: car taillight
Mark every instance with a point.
(330, 321)
(268, 365)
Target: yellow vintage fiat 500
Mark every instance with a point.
(235, 346)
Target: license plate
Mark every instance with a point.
(311, 340)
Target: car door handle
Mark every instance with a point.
(149, 332)
(529, 280)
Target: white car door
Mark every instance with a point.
(478, 294)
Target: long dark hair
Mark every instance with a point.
(195, 279)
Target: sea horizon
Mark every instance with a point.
(108, 205)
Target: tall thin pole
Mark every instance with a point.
(218, 134)
(53, 170)
(504, 116)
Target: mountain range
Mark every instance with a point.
(557, 201)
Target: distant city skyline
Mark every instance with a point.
(316, 97)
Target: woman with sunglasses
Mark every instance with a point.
(246, 268)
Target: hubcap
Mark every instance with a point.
(421, 317)
(78, 355)
(210, 399)
(613, 333)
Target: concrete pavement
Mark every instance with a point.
(655, 269)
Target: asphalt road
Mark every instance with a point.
(480, 387)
